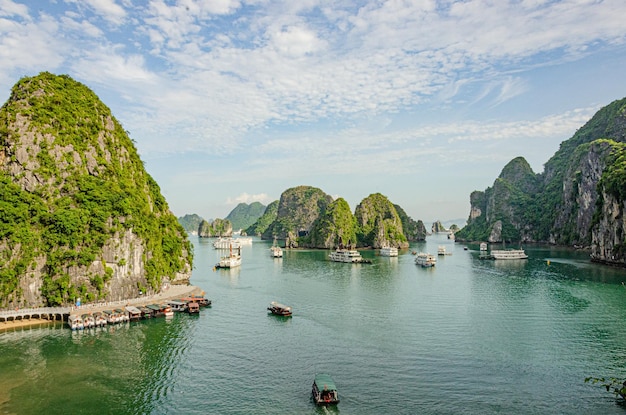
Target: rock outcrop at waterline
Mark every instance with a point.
(579, 199)
(79, 218)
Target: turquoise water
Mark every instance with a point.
(470, 336)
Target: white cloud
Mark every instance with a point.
(9, 8)
(107, 9)
(248, 198)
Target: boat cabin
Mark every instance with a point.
(178, 305)
(193, 307)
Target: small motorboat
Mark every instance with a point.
(324, 390)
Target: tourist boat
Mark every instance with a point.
(167, 310)
(279, 309)
(179, 306)
(202, 302)
(88, 321)
(508, 254)
(483, 246)
(192, 308)
(441, 250)
(324, 390)
(75, 322)
(226, 243)
(112, 317)
(100, 319)
(347, 255)
(145, 312)
(122, 316)
(388, 251)
(276, 252)
(425, 260)
(133, 313)
(230, 261)
(156, 310)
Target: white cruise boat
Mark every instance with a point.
(508, 254)
(346, 255)
(226, 243)
(425, 260)
(388, 251)
(441, 250)
(230, 261)
(276, 251)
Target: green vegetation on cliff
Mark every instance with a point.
(298, 208)
(378, 223)
(562, 204)
(264, 222)
(71, 181)
(335, 226)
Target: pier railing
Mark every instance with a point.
(47, 313)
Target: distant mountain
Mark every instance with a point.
(190, 222)
(244, 215)
(579, 199)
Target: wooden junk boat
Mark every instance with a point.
(324, 390)
(279, 309)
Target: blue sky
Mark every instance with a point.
(423, 101)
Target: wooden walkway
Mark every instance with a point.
(43, 313)
(62, 313)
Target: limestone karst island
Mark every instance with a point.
(80, 217)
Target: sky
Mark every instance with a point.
(236, 101)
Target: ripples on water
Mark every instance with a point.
(471, 336)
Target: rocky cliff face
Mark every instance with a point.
(412, 229)
(217, 228)
(336, 226)
(378, 223)
(80, 217)
(578, 199)
(307, 217)
(264, 222)
(298, 208)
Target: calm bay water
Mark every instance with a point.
(471, 336)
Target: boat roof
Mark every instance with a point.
(174, 302)
(279, 305)
(324, 382)
(132, 309)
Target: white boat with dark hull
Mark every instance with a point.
(279, 309)
(75, 322)
(508, 254)
(350, 256)
(276, 251)
(226, 243)
(232, 260)
(425, 260)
